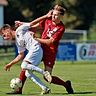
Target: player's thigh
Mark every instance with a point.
(34, 57)
(49, 69)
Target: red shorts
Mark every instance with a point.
(49, 60)
(49, 55)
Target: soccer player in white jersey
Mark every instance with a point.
(33, 58)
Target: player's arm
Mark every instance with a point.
(55, 37)
(45, 41)
(17, 59)
(35, 23)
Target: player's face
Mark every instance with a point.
(7, 34)
(56, 16)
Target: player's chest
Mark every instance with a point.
(50, 30)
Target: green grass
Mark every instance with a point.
(82, 75)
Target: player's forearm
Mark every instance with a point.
(45, 41)
(48, 15)
(34, 23)
(17, 59)
(38, 20)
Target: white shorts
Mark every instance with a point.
(34, 56)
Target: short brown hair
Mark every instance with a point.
(59, 5)
(61, 9)
(5, 26)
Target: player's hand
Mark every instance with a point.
(18, 23)
(49, 14)
(7, 67)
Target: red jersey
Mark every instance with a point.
(51, 31)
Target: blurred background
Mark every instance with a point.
(79, 20)
(76, 56)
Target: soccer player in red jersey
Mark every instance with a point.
(53, 31)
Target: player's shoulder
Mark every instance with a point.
(61, 26)
(49, 19)
(23, 28)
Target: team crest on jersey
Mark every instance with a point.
(51, 32)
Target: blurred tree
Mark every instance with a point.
(80, 14)
(92, 30)
(25, 10)
(86, 9)
(12, 12)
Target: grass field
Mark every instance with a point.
(82, 75)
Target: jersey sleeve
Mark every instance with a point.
(58, 35)
(42, 23)
(23, 28)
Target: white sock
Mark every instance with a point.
(35, 79)
(27, 66)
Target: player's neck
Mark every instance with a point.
(55, 23)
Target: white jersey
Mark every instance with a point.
(24, 40)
